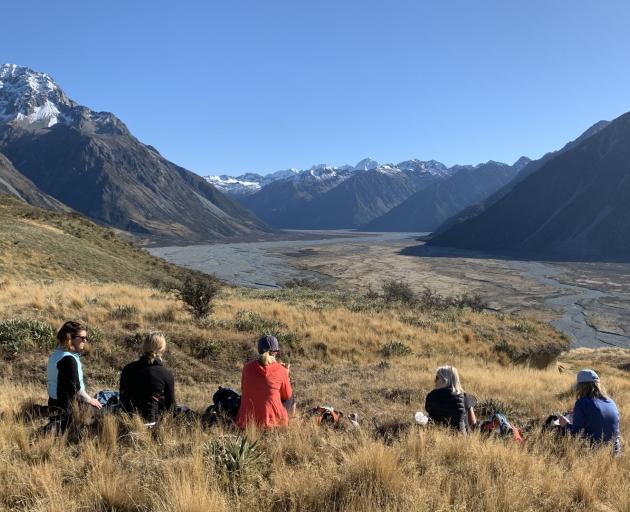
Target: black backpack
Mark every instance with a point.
(225, 405)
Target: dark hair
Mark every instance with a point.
(68, 331)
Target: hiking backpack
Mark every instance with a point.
(225, 405)
(500, 426)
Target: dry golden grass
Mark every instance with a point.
(339, 361)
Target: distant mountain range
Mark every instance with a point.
(328, 197)
(90, 162)
(426, 209)
(59, 155)
(572, 203)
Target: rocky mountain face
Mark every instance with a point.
(575, 204)
(91, 162)
(327, 197)
(427, 209)
(525, 167)
(15, 184)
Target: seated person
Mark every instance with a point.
(146, 387)
(595, 415)
(445, 404)
(65, 373)
(266, 394)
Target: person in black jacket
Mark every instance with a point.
(146, 387)
(446, 404)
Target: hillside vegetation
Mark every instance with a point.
(359, 353)
(36, 243)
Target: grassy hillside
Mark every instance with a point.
(43, 244)
(358, 353)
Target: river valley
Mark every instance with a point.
(590, 302)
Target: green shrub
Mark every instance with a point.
(208, 349)
(473, 301)
(235, 460)
(123, 312)
(213, 323)
(16, 334)
(95, 335)
(365, 303)
(197, 292)
(248, 321)
(395, 348)
(398, 291)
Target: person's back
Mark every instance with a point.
(265, 386)
(596, 418)
(446, 408)
(146, 387)
(595, 415)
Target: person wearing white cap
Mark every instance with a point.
(595, 415)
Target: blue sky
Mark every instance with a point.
(253, 85)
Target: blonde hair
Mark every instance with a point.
(590, 390)
(266, 358)
(153, 345)
(448, 377)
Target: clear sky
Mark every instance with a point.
(227, 86)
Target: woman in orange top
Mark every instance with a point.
(266, 394)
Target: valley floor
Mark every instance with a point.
(590, 302)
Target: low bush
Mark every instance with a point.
(248, 321)
(395, 348)
(123, 312)
(198, 292)
(398, 291)
(16, 334)
(207, 349)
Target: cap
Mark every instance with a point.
(587, 375)
(268, 344)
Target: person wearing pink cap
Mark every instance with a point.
(266, 394)
(595, 415)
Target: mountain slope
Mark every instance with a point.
(38, 243)
(90, 161)
(427, 209)
(15, 184)
(525, 168)
(575, 205)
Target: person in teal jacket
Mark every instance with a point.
(65, 373)
(595, 415)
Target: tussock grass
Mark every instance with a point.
(390, 464)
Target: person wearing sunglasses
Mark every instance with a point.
(266, 394)
(65, 374)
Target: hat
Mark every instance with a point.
(268, 344)
(587, 376)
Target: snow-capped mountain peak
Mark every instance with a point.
(422, 166)
(32, 100)
(367, 164)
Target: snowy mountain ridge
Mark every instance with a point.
(32, 100)
(251, 183)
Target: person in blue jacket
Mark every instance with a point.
(65, 373)
(595, 415)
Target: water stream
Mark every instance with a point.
(571, 304)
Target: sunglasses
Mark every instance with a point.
(84, 338)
